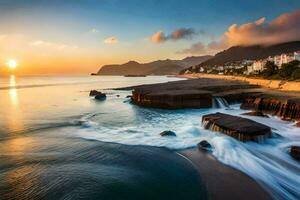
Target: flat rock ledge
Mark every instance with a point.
(198, 93)
(240, 128)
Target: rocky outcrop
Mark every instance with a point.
(100, 97)
(94, 93)
(288, 108)
(237, 127)
(295, 152)
(204, 145)
(256, 114)
(198, 93)
(168, 133)
(173, 99)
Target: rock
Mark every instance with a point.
(100, 97)
(288, 108)
(237, 127)
(256, 114)
(168, 133)
(95, 92)
(295, 152)
(128, 96)
(297, 124)
(204, 145)
(196, 93)
(118, 95)
(173, 99)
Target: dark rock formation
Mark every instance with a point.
(173, 99)
(196, 93)
(168, 133)
(295, 152)
(204, 145)
(237, 127)
(100, 97)
(288, 108)
(297, 124)
(94, 93)
(256, 114)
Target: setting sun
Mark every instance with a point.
(12, 64)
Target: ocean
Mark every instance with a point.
(58, 143)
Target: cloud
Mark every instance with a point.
(57, 46)
(111, 40)
(158, 37)
(93, 31)
(181, 33)
(284, 28)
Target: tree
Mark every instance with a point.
(287, 69)
(296, 74)
(270, 69)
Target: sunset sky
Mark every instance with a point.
(79, 36)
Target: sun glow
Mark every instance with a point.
(12, 64)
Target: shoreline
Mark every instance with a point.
(281, 85)
(223, 181)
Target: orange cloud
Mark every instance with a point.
(181, 33)
(158, 37)
(111, 40)
(284, 28)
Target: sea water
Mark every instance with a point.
(52, 117)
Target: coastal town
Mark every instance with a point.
(249, 67)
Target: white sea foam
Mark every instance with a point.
(268, 163)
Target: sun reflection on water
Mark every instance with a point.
(15, 115)
(13, 94)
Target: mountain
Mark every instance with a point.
(160, 67)
(238, 53)
(192, 60)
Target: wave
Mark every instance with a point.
(269, 163)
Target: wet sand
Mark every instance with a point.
(221, 181)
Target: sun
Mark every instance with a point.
(12, 63)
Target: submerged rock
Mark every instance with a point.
(94, 93)
(237, 127)
(168, 133)
(256, 114)
(204, 145)
(295, 152)
(100, 97)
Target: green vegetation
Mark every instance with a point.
(270, 70)
(288, 71)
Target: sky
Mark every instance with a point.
(79, 36)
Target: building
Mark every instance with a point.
(297, 55)
(283, 59)
(259, 65)
(250, 69)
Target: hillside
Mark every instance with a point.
(160, 67)
(238, 53)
